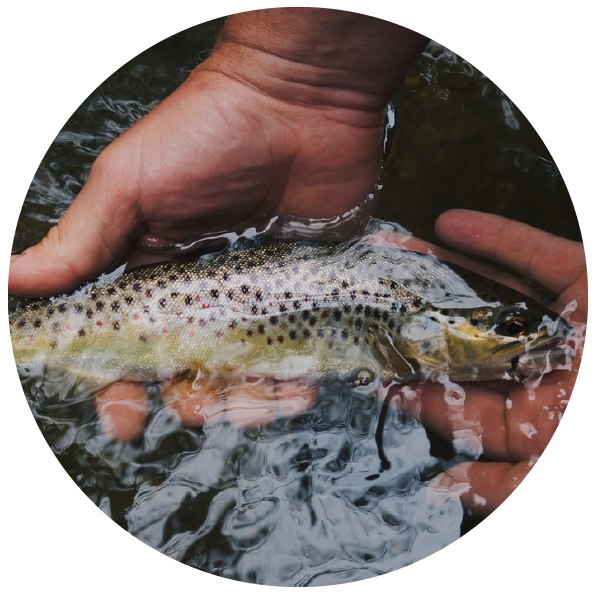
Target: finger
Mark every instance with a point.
(193, 403)
(471, 417)
(251, 402)
(481, 487)
(407, 242)
(550, 260)
(92, 234)
(295, 397)
(122, 409)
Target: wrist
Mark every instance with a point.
(316, 57)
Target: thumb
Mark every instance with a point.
(95, 230)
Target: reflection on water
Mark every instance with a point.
(289, 503)
(293, 502)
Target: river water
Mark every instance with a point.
(295, 502)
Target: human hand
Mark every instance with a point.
(509, 424)
(284, 118)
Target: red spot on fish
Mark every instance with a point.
(204, 305)
(99, 323)
(31, 337)
(69, 325)
(191, 334)
(164, 330)
(135, 316)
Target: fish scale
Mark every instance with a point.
(288, 310)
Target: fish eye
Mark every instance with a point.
(513, 322)
(362, 378)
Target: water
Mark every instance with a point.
(296, 501)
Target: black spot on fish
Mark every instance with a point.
(111, 291)
(162, 303)
(358, 323)
(344, 334)
(296, 305)
(161, 284)
(232, 324)
(307, 334)
(324, 314)
(249, 332)
(259, 295)
(99, 305)
(37, 324)
(146, 309)
(149, 293)
(173, 277)
(280, 339)
(78, 308)
(215, 293)
(191, 320)
(269, 341)
(254, 309)
(82, 332)
(89, 313)
(122, 285)
(273, 320)
(93, 295)
(175, 294)
(403, 309)
(116, 306)
(312, 321)
(128, 299)
(230, 294)
(50, 313)
(337, 314)
(62, 308)
(143, 338)
(136, 287)
(347, 308)
(367, 311)
(283, 308)
(305, 314)
(321, 333)
(116, 327)
(344, 284)
(188, 300)
(202, 322)
(261, 329)
(245, 289)
(55, 326)
(359, 308)
(21, 323)
(288, 295)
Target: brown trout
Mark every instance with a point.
(293, 310)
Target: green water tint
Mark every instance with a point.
(294, 502)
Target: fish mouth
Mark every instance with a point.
(555, 355)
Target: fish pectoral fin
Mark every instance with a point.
(398, 366)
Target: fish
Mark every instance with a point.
(293, 310)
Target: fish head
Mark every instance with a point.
(487, 342)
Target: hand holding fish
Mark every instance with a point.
(262, 127)
(509, 425)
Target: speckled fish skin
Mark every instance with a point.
(286, 310)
